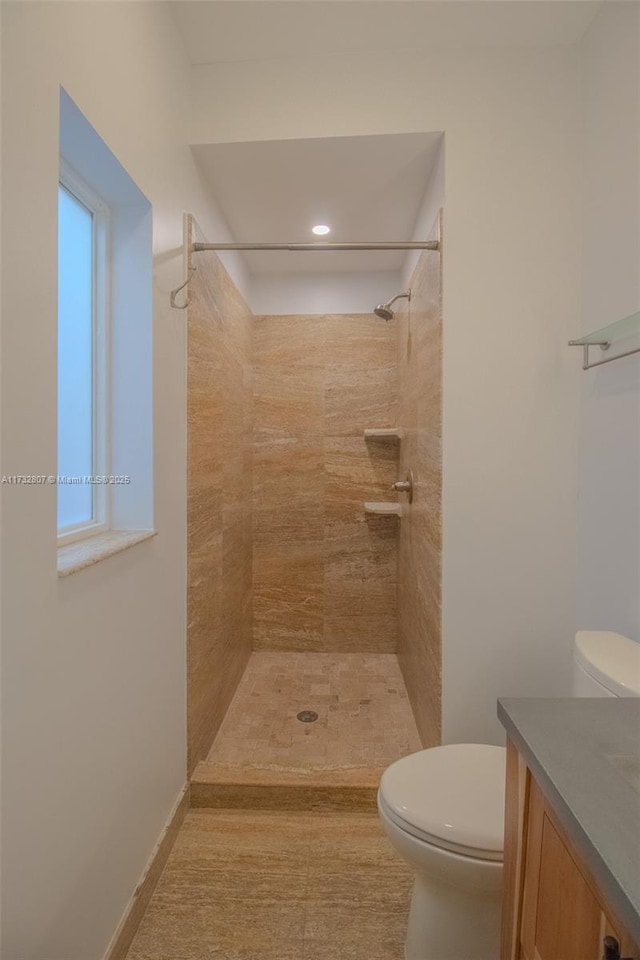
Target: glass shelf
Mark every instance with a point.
(619, 330)
(605, 337)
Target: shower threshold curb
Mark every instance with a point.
(214, 785)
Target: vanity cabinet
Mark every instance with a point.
(552, 907)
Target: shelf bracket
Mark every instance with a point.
(613, 333)
(603, 344)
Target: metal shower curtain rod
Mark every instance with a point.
(391, 245)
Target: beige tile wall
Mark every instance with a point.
(219, 510)
(419, 330)
(324, 575)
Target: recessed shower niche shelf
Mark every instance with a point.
(605, 337)
(381, 509)
(391, 434)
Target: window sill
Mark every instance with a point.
(84, 553)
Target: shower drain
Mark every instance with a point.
(307, 716)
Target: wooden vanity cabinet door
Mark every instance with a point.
(561, 918)
(568, 916)
(552, 907)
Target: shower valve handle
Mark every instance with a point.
(404, 486)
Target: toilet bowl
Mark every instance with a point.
(443, 811)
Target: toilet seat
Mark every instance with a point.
(451, 797)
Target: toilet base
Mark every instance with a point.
(446, 923)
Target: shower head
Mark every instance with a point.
(384, 311)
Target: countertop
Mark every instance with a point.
(585, 755)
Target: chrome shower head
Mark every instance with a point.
(384, 311)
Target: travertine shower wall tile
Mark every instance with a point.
(324, 575)
(360, 584)
(220, 498)
(288, 596)
(288, 490)
(361, 375)
(419, 326)
(287, 405)
(354, 467)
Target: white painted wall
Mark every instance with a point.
(609, 525)
(93, 692)
(511, 281)
(321, 293)
(426, 225)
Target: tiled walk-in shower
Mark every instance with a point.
(298, 599)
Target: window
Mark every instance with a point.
(83, 233)
(105, 350)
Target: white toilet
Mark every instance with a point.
(443, 811)
(605, 665)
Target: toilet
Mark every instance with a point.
(443, 811)
(605, 665)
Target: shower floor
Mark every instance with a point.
(364, 716)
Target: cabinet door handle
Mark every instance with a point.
(612, 950)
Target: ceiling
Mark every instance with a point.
(217, 31)
(365, 188)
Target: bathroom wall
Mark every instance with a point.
(428, 215)
(511, 118)
(419, 331)
(609, 497)
(324, 576)
(305, 293)
(219, 496)
(94, 665)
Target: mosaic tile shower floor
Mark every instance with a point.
(364, 716)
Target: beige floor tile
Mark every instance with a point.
(352, 862)
(360, 932)
(226, 930)
(350, 903)
(234, 854)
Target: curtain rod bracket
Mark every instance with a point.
(174, 293)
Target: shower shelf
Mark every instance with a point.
(392, 434)
(383, 509)
(606, 336)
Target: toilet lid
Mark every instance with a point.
(452, 796)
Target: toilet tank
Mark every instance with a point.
(605, 665)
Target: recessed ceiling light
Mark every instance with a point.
(321, 229)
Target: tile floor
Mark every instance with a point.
(365, 719)
(248, 885)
